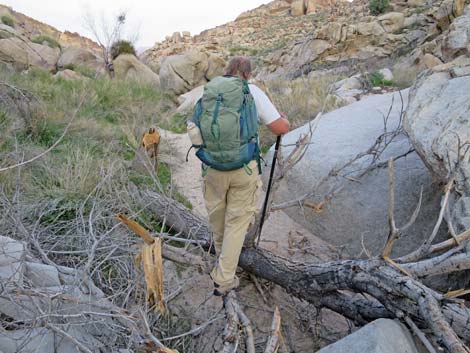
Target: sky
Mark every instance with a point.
(152, 19)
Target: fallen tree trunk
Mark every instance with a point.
(389, 293)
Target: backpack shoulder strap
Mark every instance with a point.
(197, 112)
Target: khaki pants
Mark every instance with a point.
(231, 200)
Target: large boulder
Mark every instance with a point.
(21, 54)
(457, 41)
(355, 214)
(298, 60)
(72, 58)
(43, 56)
(181, 73)
(8, 32)
(392, 21)
(447, 11)
(128, 67)
(438, 124)
(380, 336)
(298, 8)
(188, 100)
(215, 66)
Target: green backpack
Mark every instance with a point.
(227, 118)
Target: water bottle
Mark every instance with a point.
(194, 134)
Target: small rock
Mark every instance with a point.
(387, 74)
(42, 275)
(10, 251)
(176, 37)
(349, 83)
(69, 75)
(11, 273)
(297, 8)
(430, 61)
(392, 21)
(460, 71)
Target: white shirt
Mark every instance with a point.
(267, 112)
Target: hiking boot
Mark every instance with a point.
(221, 290)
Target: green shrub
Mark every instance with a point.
(377, 79)
(43, 38)
(122, 47)
(378, 6)
(7, 20)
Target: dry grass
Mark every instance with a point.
(301, 100)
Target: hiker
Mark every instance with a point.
(227, 117)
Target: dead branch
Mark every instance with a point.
(394, 232)
(420, 334)
(231, 335)
(72, 339)
(275, 335)
(397, 294)
(246, 324)
(425, 248)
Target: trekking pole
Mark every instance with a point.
(265, 206)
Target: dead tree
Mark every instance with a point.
(385, 291)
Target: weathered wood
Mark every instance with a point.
(399, 295)
(275, 335)
(177, 216)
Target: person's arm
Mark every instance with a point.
(276, 122)
(279, 126)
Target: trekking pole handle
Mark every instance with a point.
(268, 191)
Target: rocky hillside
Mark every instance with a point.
(291, 38)
(31, 29)
(26, 43)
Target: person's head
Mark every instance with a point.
(239, 66)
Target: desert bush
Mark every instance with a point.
(43, 38)
(378, 6)
(8, 20)
(122, 47)
(377, 79)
